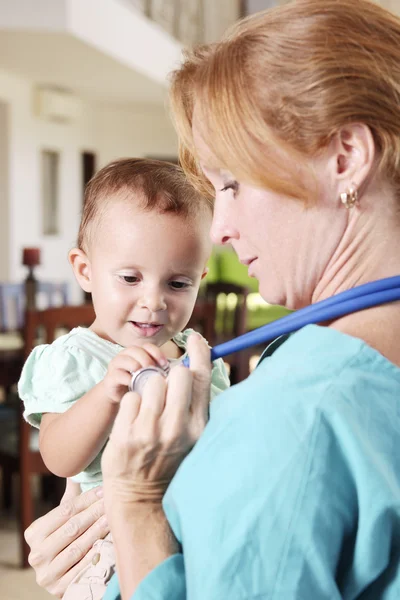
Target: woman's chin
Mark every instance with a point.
(272, 296)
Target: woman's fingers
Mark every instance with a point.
(152, 434)
(57, 585)
(76, 555)
(61, 539)
(179, 393)
(67, 533)
(200, 366)
(128, 411)
(50, 523)
(153, 398)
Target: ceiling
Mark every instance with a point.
(61, 60)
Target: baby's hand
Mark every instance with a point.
(120, 369)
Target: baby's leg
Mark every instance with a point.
(91, 582)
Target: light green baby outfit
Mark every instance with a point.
(56, 375)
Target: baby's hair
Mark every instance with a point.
(288, 79)
(151, 184)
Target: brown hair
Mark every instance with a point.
(153, 184)
(288, 79)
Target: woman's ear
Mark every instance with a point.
(81, 266)
(355, 154)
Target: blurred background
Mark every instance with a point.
(83, 82)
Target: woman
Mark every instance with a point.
(293, 490)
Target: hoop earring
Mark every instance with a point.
(349, 198)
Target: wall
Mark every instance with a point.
(95, 22)
(4, 206)
(392, 5)
(142, 132)
(257, 5)
(218, 16)
(254, 6)
(107, 131)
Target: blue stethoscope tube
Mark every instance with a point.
(359, 298)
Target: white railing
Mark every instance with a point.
(190, 21)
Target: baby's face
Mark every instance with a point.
(145, 271)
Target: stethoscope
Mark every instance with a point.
(359, 298)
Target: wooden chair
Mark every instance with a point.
(26, 457)
(11, 363)
(203, 318)
(230, 322)
(12, 314)
(12, 306)
(55, 293)
(11, 319)
(12, 301)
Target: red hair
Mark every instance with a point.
(288, 79)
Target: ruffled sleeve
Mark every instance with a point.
(219, 376)
(54, 377)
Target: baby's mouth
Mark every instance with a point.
(146, 329)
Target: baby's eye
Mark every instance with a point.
(129, 279)
(179, 285)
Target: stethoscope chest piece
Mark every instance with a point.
(140, 378)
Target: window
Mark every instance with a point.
(88, 161)
(248, 7)
(50, 191)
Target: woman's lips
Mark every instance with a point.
(249, 262)
(146, 329)
(250, 270)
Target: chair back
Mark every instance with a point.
(230, 302)
(203, 318)
(12, 306)
(231, 308)
(51, 320)
(13, 301)
(30, 461)
(51, 294)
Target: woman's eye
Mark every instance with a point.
(231, 185)
(178, 285)
(129, 278)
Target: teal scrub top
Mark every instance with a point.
(293, 490)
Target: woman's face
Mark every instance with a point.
(286, 246)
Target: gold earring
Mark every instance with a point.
(350, 197)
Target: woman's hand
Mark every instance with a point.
(150, 438)
(61, 541)
(153, 434)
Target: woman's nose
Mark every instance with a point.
(222, 227)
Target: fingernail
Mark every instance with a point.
(100, 492)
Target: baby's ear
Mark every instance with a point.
(205, 272)
(81, 266)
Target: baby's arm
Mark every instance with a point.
(70, 441)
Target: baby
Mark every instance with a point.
(142, 250)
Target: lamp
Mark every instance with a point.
(30, 258)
